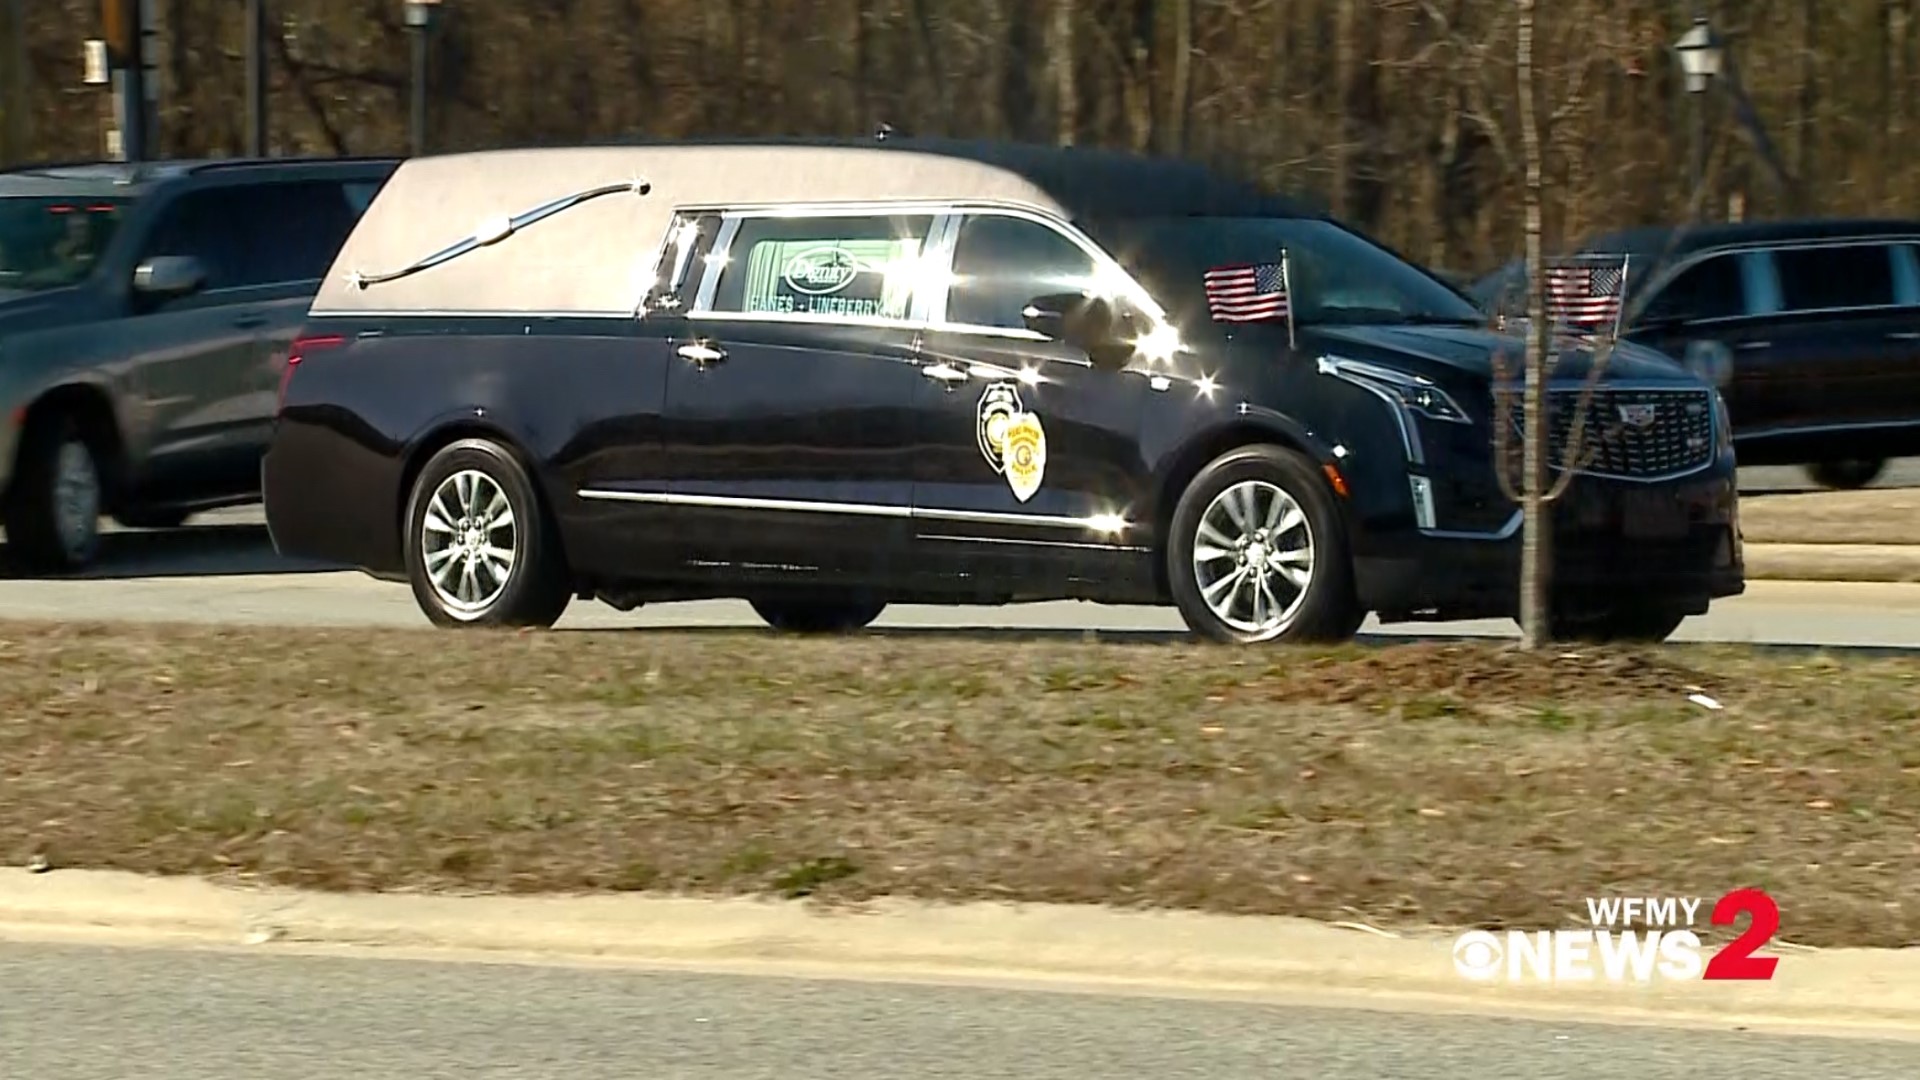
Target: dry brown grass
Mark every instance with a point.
(1874, 516)
(1443, 784)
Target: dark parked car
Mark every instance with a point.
(829, 377)
(1811, 328)
(145, 314)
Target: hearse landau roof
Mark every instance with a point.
(584, 240)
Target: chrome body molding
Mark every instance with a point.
(1099, 523)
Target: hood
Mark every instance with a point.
(1465, 350)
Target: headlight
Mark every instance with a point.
(1414, 393)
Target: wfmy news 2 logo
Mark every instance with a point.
(1629, 939)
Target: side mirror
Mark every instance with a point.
(1087, 322)
(165, 277)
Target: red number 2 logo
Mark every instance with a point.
(1737, 961)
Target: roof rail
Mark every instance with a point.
(248, 163)
(38, 166)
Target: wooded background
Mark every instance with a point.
(1397, 114)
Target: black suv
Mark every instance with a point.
(1811, 329)
(145, 313)
(826, 377)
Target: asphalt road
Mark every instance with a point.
(92, 1013)
(222, 569)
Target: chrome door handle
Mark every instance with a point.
(1905, 335)
(1756, 345)
(946, 373)
(702, 353)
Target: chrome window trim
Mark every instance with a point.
(719, 257)
(459, 313)
(939, 253)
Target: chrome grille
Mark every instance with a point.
(1632, 434)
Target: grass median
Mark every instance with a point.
(1425, 784)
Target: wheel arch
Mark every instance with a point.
(92, 409)
(439, 436)
(1251, 428)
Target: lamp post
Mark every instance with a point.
(1701, 53)
(420, 19)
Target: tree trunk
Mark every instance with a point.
(1806, 124)
(1061, 54)
(1182, 94)
(1536, 537)
(1346, 61)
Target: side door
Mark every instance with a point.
(194, 355)
(1840, 314)
(1712, 317)
(788, 419)
(1030, 461)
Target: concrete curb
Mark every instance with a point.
(1169, 953)
(1833, 562)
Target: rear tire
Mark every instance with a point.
(1257, 551)
(53, 509)
(1847, 474)
(818, 616)
(481, 549)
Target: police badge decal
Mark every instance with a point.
(1012, 439)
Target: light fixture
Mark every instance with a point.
(1701, 55)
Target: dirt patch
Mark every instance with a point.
(1875, 516)
(1425, 784)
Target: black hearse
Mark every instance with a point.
(1810, 328)
(826, 377)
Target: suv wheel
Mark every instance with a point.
(1258, 552)
(1847, 474)
(818, 616)
(1643, 625)
(481, 549)
(53, 511)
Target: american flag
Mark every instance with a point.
(1585, 295)
(1254, 293)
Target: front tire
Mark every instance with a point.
(1258, 552)
(53, 510)
(1847, 474)
(481, 549)
(817, 616)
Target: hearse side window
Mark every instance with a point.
(1823, 278)
(848, 267)
(1001, 263)
(1711, 289)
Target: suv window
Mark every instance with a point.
(857, 267)
(46, 243)
(1712, 289)
(260, 234)
(1000, 264)
(1822, 278)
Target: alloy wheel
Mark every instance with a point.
(469, 542)
(1253, 557)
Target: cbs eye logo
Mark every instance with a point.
(1477, 955)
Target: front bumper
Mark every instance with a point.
(1674, 545)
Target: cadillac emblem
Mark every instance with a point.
(1639, 415)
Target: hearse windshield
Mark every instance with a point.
(52, 242)
(1335, 277)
